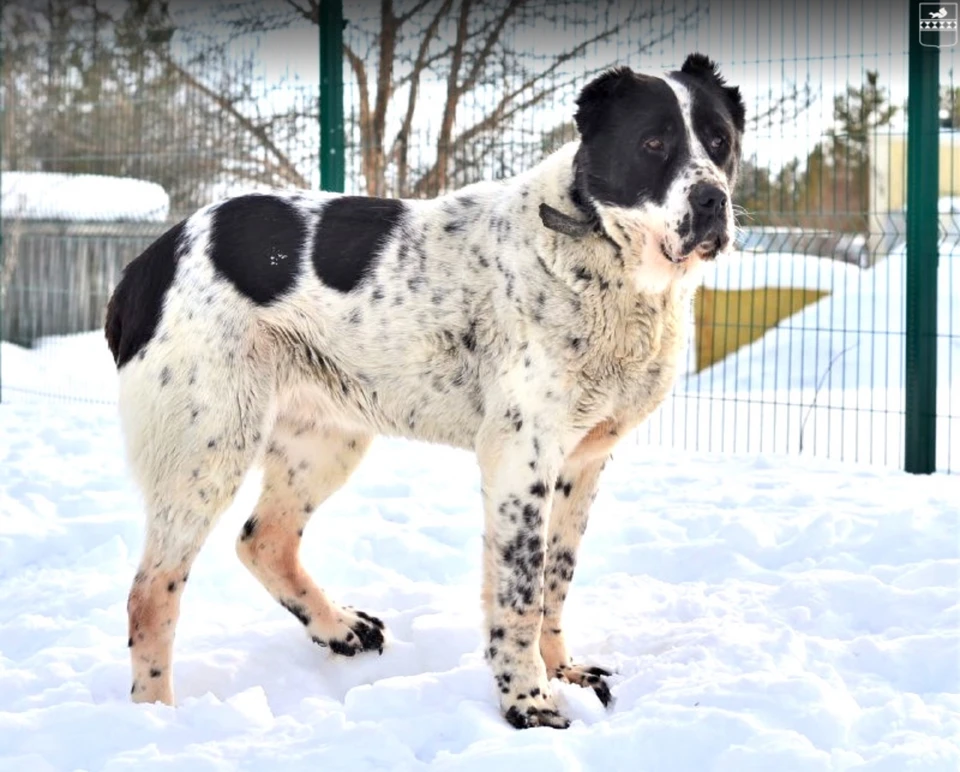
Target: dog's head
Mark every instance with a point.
(659, 157)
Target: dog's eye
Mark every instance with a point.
(654, 144)
(717, 142)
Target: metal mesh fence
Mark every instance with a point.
(799, 344)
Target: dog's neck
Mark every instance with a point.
(586, 220)
(578, 237)
(571, 230)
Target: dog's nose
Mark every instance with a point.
(709, 200)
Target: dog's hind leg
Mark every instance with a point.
(189, 448)
(304, 465)
(575, 490)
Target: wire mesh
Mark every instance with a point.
(799, 335)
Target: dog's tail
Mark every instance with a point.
(133, 310)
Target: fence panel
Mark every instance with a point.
(799, 345)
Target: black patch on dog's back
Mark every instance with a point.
(135, 305)
(351, 232)
(255, 243)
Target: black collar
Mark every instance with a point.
(557, 221)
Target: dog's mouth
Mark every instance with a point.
(675, 259)
(709, 249)
(706, 249)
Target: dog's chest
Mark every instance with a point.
(632, 360)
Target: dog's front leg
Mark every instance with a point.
(575, 490)
(519, 462)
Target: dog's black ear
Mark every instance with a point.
(701, 66)
(595, 97)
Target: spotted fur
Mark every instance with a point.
(534, 320)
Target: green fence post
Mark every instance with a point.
(923, 145)
(332, 169)
(2, 262)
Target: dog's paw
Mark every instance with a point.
(356, 632)
(524, 712)
(588, 677)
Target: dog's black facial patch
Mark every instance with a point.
(255, 243)
(134, 308)
(633, 138)
(351, 232)
(717, 112)
(700, 68)
(715, 130)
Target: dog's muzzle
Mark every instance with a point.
(708, 232)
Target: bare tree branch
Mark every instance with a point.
(434, 179)
(290, 173)
(377, 128)
(366, 148)
(400, 149)
(453, 93)
(488, 44)
(405, 17)
(800, 98)
(311, 12)
(467, 64)
(445, 53)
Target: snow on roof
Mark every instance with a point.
(752, 270)
(81, 198)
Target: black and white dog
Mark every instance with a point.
(534, 320)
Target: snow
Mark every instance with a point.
(835, 368)
(760, 612)
(81, 198)
(948, 204)
(753, 270)
(45, 370)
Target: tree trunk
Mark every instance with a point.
(444, 147)
(377, 183)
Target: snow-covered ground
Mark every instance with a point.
(760, 612)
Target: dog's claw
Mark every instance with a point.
(532, 708)
(597, 671)
(603, 693)
(365, 633)
(533, 717)
(588, 677)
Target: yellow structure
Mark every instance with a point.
(888, 185)
(728, 319)
(888, 156)
(746, 294)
